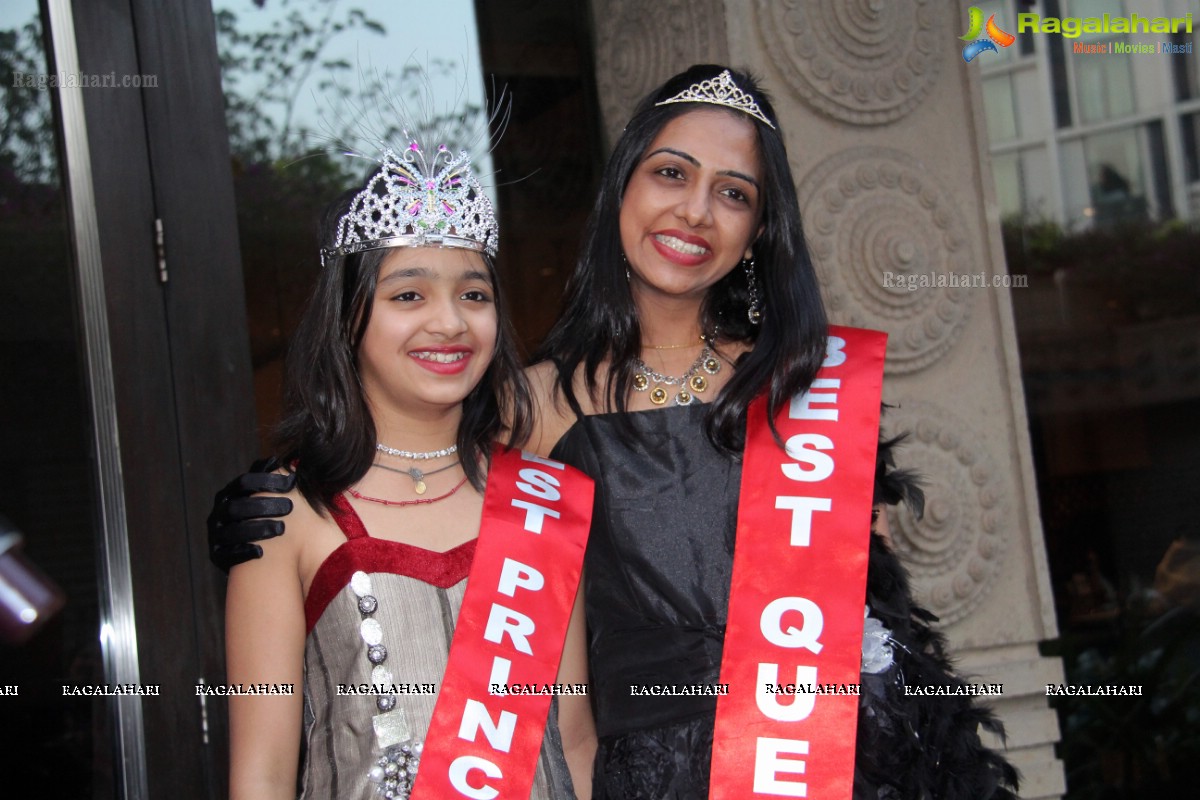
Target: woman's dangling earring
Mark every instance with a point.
(625, 261)
(754, 313)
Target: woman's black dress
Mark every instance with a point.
(657, 580)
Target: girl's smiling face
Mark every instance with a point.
(432, 331)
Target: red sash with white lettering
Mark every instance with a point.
(799, 584)
(521, 588)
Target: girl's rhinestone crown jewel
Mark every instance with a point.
(415, 201)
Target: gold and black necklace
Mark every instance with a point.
(690, 383)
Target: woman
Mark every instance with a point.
(694, 264)
(396, 380)
(693, 295)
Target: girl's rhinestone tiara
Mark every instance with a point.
(416, 200)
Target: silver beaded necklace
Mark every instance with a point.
(416, 455)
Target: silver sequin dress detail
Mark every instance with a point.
(419, 594)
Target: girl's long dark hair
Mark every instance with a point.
(599, 319)
(327, 430)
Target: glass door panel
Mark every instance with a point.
(301, 77)
(50, 740)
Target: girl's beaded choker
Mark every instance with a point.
(416, 455)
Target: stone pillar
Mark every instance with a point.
(885, 127)
(640, 44)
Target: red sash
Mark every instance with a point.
(799, 585)
(522, 585)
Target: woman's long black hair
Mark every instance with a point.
(599, 319)
(327, 430)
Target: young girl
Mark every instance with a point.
(401, 376)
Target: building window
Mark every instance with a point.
(1103, 88)
(1103, 85)
(998, 98)
(1059, 85)
(1115, 176)
(1190, 127)
(1022, 187)
(1185, 69)
(1025, 41)
(1006, 172)
(1107, 179)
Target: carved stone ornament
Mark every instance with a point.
(883, 234)
(639, 45)
(956, 550)
(866, 62)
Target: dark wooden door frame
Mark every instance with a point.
(180, 357)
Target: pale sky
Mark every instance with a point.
(417, 32)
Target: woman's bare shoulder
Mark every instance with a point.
(542, 377)
(552, 414)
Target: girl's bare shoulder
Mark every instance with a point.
(307, 534)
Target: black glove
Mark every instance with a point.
(237, 519)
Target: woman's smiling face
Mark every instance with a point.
(691, 210)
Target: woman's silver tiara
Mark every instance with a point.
(720, 91)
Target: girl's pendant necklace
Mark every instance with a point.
(418, 476)
(420, 501)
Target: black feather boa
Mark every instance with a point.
(918, 747)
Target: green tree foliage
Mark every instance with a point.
(26, 126)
